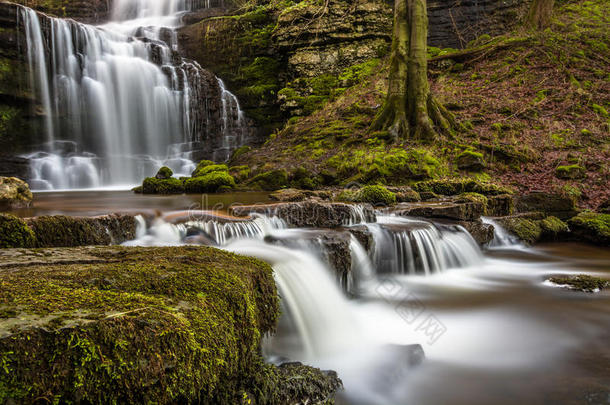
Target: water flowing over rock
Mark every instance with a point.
(117, 102)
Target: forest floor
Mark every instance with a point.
(530, 101)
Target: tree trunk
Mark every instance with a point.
(409, 109)
(393, 115)
(539, 16)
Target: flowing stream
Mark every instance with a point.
(117, 100)
(492, 331)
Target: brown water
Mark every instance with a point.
(89, 203)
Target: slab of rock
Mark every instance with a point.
(143, 325)
(14, 193)
(555, 204)
(482, 233)
(500, 205)
(468, 211)
(64, 231)
(312, 214)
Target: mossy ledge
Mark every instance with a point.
(143, 325)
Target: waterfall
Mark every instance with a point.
(502, 239)
(408, 246)
(117, 100)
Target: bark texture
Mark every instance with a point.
(539, 16)
(409, 109)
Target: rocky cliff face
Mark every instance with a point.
(286, 61)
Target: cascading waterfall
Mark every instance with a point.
(502, 239)
(408, 246)
(117, 100)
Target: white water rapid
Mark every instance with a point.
(117, 100)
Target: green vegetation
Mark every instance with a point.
(527, 230)
(213, 182)
(14, 233)
(571, 172)
(377, 195)
(270, 181)
(153, 185)
(202, 171)
(552, 227)
(459, 186)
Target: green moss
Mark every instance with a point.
(459, 186)
(212, 182)
(581, 282)
(164, 173)
(239, 152)
(156, 325)
(152, 185)
(553, 226)
(14, 233)
(201, 165)
(271, 180)
(473, 197)
(600, 110)
(527, 230)
(240, 173)
(356, 74)
(378, 195)
(570, 172)
(210, 169)
(592, 226)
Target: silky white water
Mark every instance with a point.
(116, 100)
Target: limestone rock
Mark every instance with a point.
(556, 204)
(468, 211)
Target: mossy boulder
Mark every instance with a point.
(581, 282)
(591, 227)
(288, 195)
(553, 228)
(571, 172)
(470, 161)
(405, 194)
(143, 325)
(213, 182)
(270, 181)
(14, 193)
(526, 228)
(14, 233)
(153, 185)
(473, 198)
(376, 195)
(164, 173)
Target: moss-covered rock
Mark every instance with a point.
(571, 172)
(405, 194)
(202, 171)
(14, 193)
(164, 173)
(553, 227)
(270, 181)
(470, 161)
(500, 205)
(212, 182)
(377, 195)
(459, 186)
(561, 205)
(14, 233)
(143, 325)
(591, 227)
(526, 228)
(288, 195)
(64, 231)
(474, 198)
(581, 282)
(153, 185)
